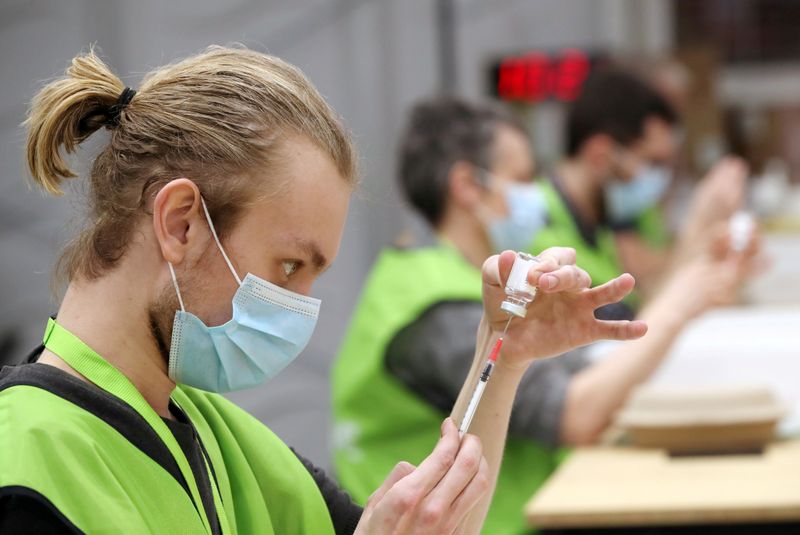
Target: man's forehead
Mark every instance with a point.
(514, 156)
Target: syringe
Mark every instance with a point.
(519, 294)
(481, 386)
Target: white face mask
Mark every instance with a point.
(625, 201)
(269, 328)
(527, 215)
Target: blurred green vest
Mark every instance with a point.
(601, 260)
(652, 228)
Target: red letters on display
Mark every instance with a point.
(537, 76)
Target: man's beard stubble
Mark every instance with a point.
(161, 315)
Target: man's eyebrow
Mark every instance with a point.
(313, 251)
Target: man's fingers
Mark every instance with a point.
(469, 498)
(437, 504)
(401, 470)
(720, 241)
(414, 487)
(563, 256)
(496, 270)
(757, 265)
(402, 497)
(620, 330)
(388, 515)
(545, 265)
(564, 279)
(556, 271)
(611, 292)
(725, 184)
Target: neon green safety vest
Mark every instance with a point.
(652, 228)
(379, 421)
(102, 483)
(601, 261)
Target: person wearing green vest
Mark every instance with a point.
(621, 140)
(217, 200)
(468, 170)
(596, 247)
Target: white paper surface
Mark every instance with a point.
(737, 346)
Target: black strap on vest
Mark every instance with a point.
(112, 410)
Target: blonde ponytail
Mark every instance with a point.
(65, 113)
(219, 118)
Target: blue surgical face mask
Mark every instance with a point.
(625, 201)
(527, 214)
(269, 328)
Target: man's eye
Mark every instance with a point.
(289, 267)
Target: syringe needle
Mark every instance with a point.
(510, 317)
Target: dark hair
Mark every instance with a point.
(440, 132)
(617, 104)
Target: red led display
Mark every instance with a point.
(537, 76)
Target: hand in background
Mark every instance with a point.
(751, 259)
(710, 280)
(717, 197)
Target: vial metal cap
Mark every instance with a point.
(512, 308)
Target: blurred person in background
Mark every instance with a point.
(604, 197)
(468, 170)
(218, 199)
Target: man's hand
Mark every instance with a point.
(435, 497)
(562, 315)
(710, 280)
(720, 193)
(717, 197)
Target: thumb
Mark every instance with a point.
(497, 268)
(504, 265)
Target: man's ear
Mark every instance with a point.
(178, 219)
(463, 185)
(598, 154)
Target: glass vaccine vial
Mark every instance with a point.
(741, 227)
(518, 292)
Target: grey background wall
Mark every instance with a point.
(370, 58)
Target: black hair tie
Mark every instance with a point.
(115, 110)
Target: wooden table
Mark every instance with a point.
(608, 486)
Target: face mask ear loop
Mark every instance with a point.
(175, 283)
(483, 177)
(219, 245)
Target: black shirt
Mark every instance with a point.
(23, 510)
(192, 447)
